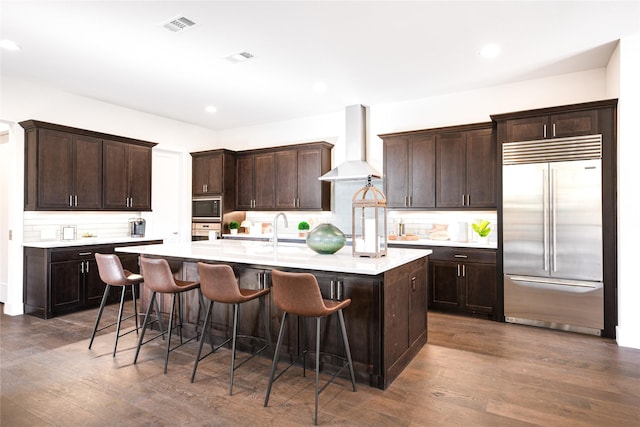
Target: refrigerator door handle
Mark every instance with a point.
(545, 219)
(552, 210)
(556, 282)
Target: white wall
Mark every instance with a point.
(626, 64)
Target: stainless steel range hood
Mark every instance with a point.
(355, 168)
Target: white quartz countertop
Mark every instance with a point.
(419, 242)
(286, 255)
(84, 241)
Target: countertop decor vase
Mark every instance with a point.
(326, 239)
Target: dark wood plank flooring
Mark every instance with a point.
(471, 372)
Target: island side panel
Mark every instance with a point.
(404, 316)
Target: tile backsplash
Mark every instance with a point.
(41, 226)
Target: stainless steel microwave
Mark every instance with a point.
(207, 209)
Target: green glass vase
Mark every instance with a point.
(326, 239)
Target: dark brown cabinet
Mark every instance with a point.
(558, 125)
(284, 178)
(466, 169)
(60, 280)
(452, 167)
(409, 170)
(127, 176)
(256, 181)
(463, 280)
(75, 169)
(297, 172)
(207, 174)
(64, 171)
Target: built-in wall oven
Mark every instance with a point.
(205, 230)
(206, 209)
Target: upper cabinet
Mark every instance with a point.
(452, 167)
(214, 174)
(466, 169)
(297, 173)
(284, 178)
(556, 125)
(409, 171)
(74, 169)
(127, 176)
(255, 181)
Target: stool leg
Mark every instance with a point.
(236, 308)
(315, 418)
(102, 304)
(343, 330)
(179, 319)
(144, 324)
(173, 306)
(135, 306)
(275, 357)
(204, 334)
(115, 345)
(159, 317)
(265, 319)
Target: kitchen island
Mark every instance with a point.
(386, 321)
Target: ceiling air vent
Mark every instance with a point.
(179, 23)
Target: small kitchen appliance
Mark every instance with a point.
(136, 227)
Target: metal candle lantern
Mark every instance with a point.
(369, 222)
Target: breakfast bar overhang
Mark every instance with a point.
(386, 321)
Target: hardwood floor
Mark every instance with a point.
(471, 372)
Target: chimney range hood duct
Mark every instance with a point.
(355, 167)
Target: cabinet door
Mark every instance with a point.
(207, 174)
(94, 287)
(309, 186)
(55, 170)
(451, 170)
(87, 174)
(574, 124)
(115, 175)
(139, 177)
(360, 320)
(422, 171)
(65, 285)
(443, 279)
(481, 169)
(244, 182)
(417, 287)
(480, 288)
(396, 161)
(287, 179)
(527, 129)
(264, 170)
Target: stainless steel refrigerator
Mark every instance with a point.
(552, 233)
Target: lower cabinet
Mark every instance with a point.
(60, 280)
(463, 280)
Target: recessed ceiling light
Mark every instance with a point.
(490, 50)
(320, 87)
(211, 109)
(239, 57)
(9, 45)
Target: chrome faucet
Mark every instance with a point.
(275, 226)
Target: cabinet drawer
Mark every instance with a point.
(466, 255)
(79, 253)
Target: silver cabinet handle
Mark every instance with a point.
(464, 271)
(554, 130)
(70, 200)
(332, 290)
(544, 131)
(84, 253)
(87, 270)
(460, 256)
(458, 270)
(340, 291)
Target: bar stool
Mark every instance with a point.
(299, 294)
(218, 284)
(159, 279)
(112, 274)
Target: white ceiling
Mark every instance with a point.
(368, 52)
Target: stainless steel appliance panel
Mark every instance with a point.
(568, 305)
(525, 219)
(576, 220)
(552, 216)
(205, 230)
